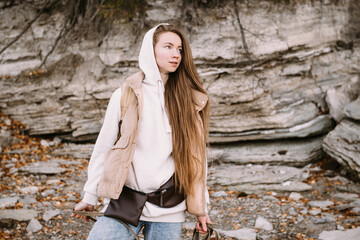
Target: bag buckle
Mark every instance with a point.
(161, 196)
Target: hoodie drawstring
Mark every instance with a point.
(161, 91)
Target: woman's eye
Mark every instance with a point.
(180, 50)
(167, 46)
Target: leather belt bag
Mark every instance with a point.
(128, 207)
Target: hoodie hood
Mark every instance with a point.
(147, 64)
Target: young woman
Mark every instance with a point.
(163, 134)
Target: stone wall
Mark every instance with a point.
(300, 51)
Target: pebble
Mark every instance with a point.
(33, 226)
(294, 208)
(8, 202)
(42, 168)
(242, 233)
(28, 200)
(323, 219)
(339, 227)
(304, 211)
(356, 210)
(50, 214)
(340, 179)
(342, 207)
(71, 197)
(321, 204)
(29, 190)
(78, 151)
(355, 203)
(347, 197)
(263, 223)
(64, 162)
(44, 143)
(10, 165)
(292, 211)
(18, 214)
(315, 211)
(270, 198)
(188, 225)
(295, 196)
(265, 237)
(350, 234)
(329, 217)
(55, 142)
(53, 181)
(48, 192)
(219, 194)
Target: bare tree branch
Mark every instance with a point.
(242, 33)
(61, 33)
(8, 4)
(86, 21)
(97, 10)
(80, 14)
(69, 25)
(28, 25)
(247, 52)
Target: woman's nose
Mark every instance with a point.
(176, 54)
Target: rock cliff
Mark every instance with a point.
(300, 52)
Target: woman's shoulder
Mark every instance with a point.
(135, 78)
(117, 93)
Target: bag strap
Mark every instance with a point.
(93, 214)
(125, 101)
(210, 232)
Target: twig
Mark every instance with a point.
(55, 43)
(28, 25)
(97, 10)
(71, 19)
(242, 33)
(86, 19)
(244, 40)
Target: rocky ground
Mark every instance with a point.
(41, 180)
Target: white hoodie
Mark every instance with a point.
(153, 163)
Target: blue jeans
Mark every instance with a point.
(107, 228)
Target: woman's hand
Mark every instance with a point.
(81, 206)
(201, 224)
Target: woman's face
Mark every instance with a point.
(168, 52)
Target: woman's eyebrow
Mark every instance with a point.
(170, 44)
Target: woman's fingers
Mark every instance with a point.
(201, 224)
(199, 227)
(81, 206)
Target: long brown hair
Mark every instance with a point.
(189, 135)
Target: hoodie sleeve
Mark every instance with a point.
(106, 139)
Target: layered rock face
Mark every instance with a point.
(299, 52)
(343, 143)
